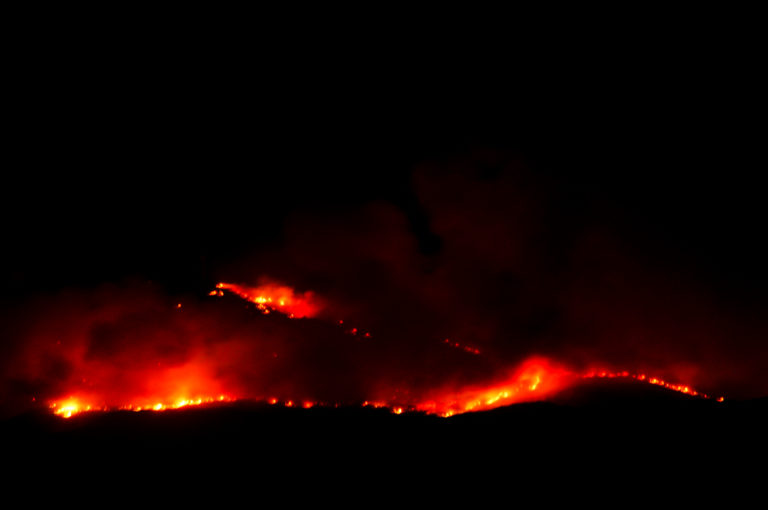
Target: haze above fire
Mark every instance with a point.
(510, 274)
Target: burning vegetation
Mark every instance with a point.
(158, 385)
(358, 313)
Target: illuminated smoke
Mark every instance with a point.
(155, 359)
(508, 309)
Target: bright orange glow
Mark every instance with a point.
(71, 406)
(535, 379)
(274, 297)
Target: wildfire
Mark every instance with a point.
(274, 297)
(71, 406)
(168, 388)
(74, 405)
(536, 379)
(682, 388)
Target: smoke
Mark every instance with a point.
(517, 272)
(522, 269)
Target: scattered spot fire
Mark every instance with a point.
(465, 348)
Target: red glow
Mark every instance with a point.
(71, 406)
(197, 380)
(682, 388)
(534, 380)
(162, 388)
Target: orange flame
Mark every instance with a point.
(536, 379)
(681, 388)
(274, 297)
(193, 383)
(71, 406)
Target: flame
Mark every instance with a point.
(195, 382)
(71, 406)
(681, 388)
(271, 297)
(535, 379)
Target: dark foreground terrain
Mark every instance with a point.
(598, 435)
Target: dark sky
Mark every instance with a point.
(180, 163)
(125, 163)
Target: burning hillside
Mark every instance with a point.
(134, 352)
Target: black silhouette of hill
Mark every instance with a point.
(603, 429)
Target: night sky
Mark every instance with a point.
(600, 202)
